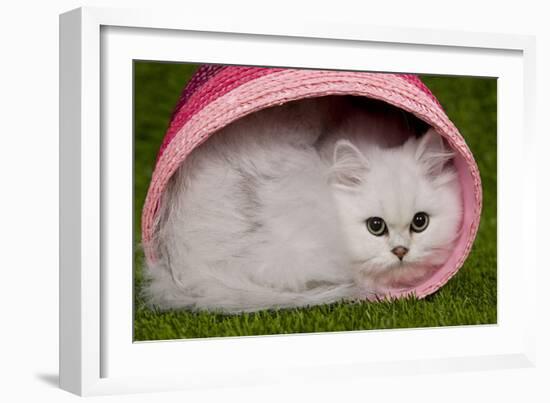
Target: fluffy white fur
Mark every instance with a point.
(270, 212)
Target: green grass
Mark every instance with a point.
(469, 298)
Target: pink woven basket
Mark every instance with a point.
(218, 95)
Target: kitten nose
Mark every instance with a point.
(399, 251)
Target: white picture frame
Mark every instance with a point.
(97, 354)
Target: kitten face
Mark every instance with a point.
(380, 191)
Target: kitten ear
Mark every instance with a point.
(349, 165)
(433, 153)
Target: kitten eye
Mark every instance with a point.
(420, 222)
(376, 226)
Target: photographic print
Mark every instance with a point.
(280, 200)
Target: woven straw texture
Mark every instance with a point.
(218, 95)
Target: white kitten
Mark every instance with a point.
(296, 206)
(408, 201)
